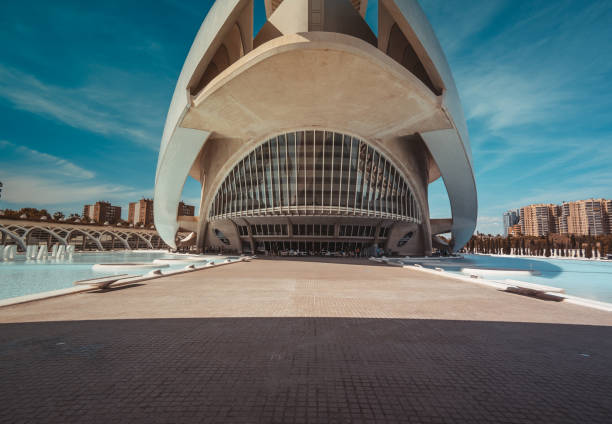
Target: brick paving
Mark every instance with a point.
(304, 341)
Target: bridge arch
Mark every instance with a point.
(117, 236)
(86, 234)
(147, 242)
(46, 230)
(20, 242)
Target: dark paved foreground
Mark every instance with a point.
(298, 370)
(413, 364)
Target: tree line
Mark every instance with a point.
(33, 214)
(570, 246)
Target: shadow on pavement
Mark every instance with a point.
(304, 370)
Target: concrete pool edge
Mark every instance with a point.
(13, 301)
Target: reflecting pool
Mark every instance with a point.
(588, 279)
(21, 277)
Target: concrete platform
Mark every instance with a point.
(304, 340)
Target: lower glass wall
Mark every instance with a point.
(313, 248)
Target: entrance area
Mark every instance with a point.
(314, 248)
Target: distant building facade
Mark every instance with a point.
(514, 230)
(102, 212)
(608, 207)
(141, 212)
(185, 210)
(511, 218)
(537, 220)
(592, 217)
(586, 217)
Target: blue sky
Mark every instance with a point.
(85, 86)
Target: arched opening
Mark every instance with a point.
(401, 50)
(315, 173)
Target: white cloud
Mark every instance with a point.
(94, 107)
(36, 179)
(505, 98)
(489, 224)
(40, 191)
(27, 159)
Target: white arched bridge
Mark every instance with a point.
(83, 237)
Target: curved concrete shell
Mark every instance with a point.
(316, 74)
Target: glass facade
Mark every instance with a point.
(315, 173)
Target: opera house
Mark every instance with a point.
(316, 134)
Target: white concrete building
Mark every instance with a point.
(316, 134)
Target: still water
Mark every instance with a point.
(21, 277)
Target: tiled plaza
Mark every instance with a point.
(304, 341)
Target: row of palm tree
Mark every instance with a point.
(570, 246)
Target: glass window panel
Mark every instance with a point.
(261, 178)
(301, 176)
(354, 154)
(271, 173)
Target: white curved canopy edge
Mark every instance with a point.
(450, 148)
(208, 32)
(447, 150)
(172, 171)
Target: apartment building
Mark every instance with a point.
(102, 212)
(185, 210)
(514, 230)
(591, 217)
(539, 220)
(141, 212)
(586, 217)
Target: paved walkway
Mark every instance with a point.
(304, 341)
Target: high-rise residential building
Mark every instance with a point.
(608, 209)
(185, 210)
(539, 220)
(102, 212)
(582, 217)
(586, 217)
(141, 212)
(511, 217)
